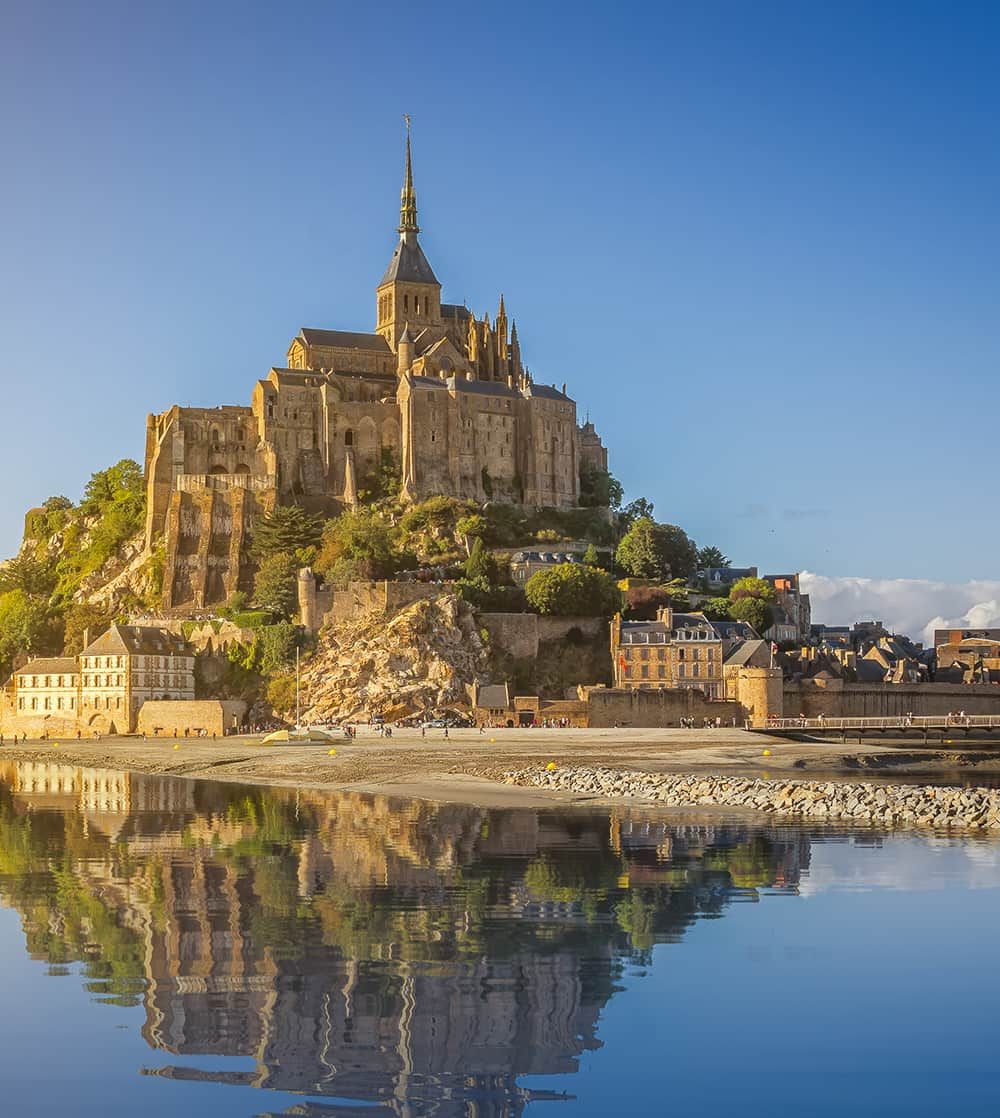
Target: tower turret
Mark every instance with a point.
(409, 290)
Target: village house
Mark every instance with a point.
(103, 689)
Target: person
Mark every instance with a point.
(446, 732)
(423, 730)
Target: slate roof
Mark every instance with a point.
(482, 387)
(409, 264)
(456, 311)
(344, 339)
(730, 630)
(493, 695)
(140, 640)
(547, 392)
(746, 652)
(60, 665)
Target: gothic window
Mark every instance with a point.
(406, 302)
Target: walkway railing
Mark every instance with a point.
(903, 722)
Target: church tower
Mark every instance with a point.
(409, 292)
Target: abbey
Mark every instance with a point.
(434, 392)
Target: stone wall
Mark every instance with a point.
(612, 706)
(520, 634)
(835, 699)
(321, 605)
(159, 718)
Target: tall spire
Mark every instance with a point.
(408, 196)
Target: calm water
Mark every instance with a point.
(173, 947)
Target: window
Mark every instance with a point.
(348, 437)
(680, 671)
(645, 671)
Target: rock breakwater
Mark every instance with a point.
(892, 805)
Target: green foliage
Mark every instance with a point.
(599, 489)
(752, 588)
(112, 511)
(26, 625)
(35, 577)
(571, 589)
(711, 557)
(281, 692)
(277, 644)
(52, 517)
(638, 554)
(642, 602)
(592, 557)
(274, 584)
(481, 566)
(754, 611)
(651, 550)
(359, 545)
(80, 617)
(470, 527)
(639, 509)
(288, 529)
(716, 609)
(383, 483)
(119, 484)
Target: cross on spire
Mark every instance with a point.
(408, 196)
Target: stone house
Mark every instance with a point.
(677, 650)
(102, 689)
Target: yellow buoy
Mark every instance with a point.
(551, 767)
(767, 753)
(332, 753)
(493, 741)
(177, 746)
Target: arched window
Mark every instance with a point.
(406, 302)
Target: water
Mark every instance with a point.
(175, 947)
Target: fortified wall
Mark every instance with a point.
(835, 699)
(656, 709)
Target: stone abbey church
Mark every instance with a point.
(439, 394)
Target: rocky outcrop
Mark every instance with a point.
(892, 805)
(420, 658)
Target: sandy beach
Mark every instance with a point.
(465, 765)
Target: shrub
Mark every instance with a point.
(571, 589)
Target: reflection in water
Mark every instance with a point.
(424, 957)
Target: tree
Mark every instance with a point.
(25, 626)
(638, 554)
(277, 647)
(358, 545)
(118, 484)
(752, 588)
(635, 510)
(481, 567)
(274, 585)
(754, 611)
(591, 557)
(571, 589)
(287, 528)
(716, 609)
(650, 550)
(709, 557)
(24, 572)
(677, 549)
(81, 617)
(598, 488)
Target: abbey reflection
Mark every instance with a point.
(355, 945)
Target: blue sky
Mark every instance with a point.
(759, 241)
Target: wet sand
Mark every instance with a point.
(465, 766)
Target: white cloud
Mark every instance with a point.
(912, 606)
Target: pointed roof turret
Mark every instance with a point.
(408, 262)
(408, 196)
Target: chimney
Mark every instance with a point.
(86, 637)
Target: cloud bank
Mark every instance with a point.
(912, 606)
